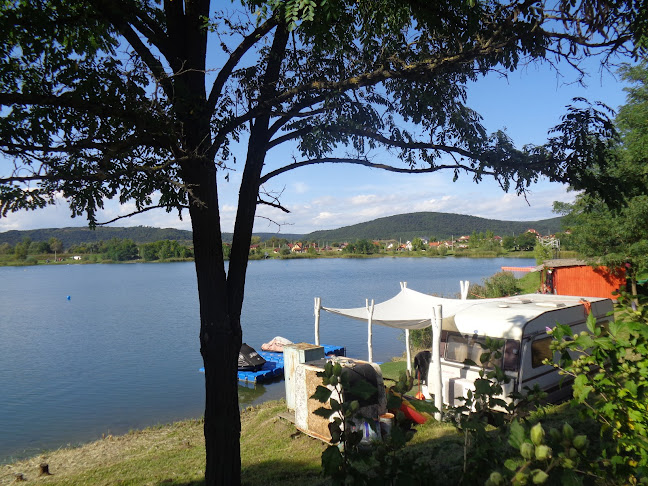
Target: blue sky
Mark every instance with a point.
(526, 104)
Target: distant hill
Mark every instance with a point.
(402, 226)
(139, 234)
(431, 225)
(83, 234)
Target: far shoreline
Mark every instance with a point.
(92, 259)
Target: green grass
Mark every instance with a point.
(273, 453)
(529, 283)
(392, 369)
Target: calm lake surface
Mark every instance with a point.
(123, 352)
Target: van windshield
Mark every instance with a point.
(460, 348)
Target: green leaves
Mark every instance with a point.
(332, 461)
(517, 434)
(610, 371)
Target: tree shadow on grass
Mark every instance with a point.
(268, 473)
(285, 472)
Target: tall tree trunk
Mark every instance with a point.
(220, 330)
(221, 295)
(249, 189)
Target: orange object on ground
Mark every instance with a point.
(412, 414)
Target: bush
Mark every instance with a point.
(610, 372)
(501, 284)
(542, 253)
(421, 338)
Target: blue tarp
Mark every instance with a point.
(274, 365)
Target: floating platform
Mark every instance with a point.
(274, 365)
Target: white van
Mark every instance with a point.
(522, 324)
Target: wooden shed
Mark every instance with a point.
(575, 277)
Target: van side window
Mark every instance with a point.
(460, 348)
(540, 351)
(511, 356)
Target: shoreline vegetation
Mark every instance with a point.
(67, 259)
(124, 250)
(90, 258)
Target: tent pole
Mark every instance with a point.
(437, 385)
(370, 310)
(318, 306)
(464, 285)
(408, 350)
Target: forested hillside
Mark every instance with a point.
(75, 236)
(432, 226)
(402, 226)
(139, 234)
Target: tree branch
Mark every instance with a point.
(153, 63)
(401, 143)
(289, 136)
(414, 71)
(139, 211)
(272, 204)
(235, 57)
(65, 100)
(373, 165)
(88, 144)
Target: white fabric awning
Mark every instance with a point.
(410, 310)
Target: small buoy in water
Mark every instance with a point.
(69, 298)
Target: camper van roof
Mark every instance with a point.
(506, 318)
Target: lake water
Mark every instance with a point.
(123, 352)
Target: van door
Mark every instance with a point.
(534, 372)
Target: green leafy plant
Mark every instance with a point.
(502, 284)
(609, 365)
(553, 458)
(484, 408)
(349, 459)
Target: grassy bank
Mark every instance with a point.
(272, 453)
(174, 454)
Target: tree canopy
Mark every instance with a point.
(149, 102)
(616, 234)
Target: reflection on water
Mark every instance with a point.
(250, 394)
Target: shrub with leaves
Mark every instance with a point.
(502, 284)
(609, 365)
(346, 461)
(485, 407)
(559, 453)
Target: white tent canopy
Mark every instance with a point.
(409, 309)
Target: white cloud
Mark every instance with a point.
(338, 202)
(301, 187)
(325, 216)
(485, 200)
(363, 199)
